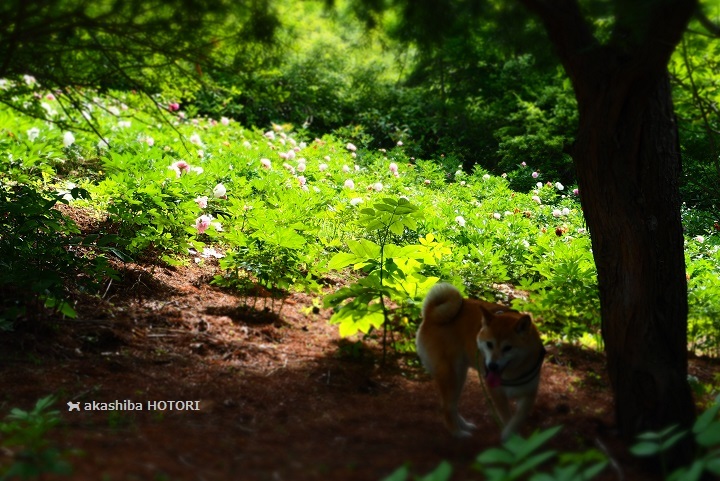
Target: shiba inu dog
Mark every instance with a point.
(458, 333)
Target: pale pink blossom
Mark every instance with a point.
(535, 175)
(322, 167)
(202, 201)
(345, 168)
(195, 139)
(393, 168)
(180, 167)
(349, 184)
(351, 147)
(302, 180)
(173, 106)
(537, 199)
(377, 186)
(460, 220)
(266, 163)
(202, 223)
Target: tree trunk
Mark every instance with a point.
(628, 165)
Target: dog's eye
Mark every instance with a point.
(506, 348)
(489, 345)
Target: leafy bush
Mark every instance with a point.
(520, 458)
(391, 273)
(42, 251)
(25, 435)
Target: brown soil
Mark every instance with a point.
(281, 397)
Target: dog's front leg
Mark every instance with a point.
(524, 406)
(502, 404)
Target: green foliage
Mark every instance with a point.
(518, 458)
(563, 291)
(703, 261)
(41, 251)
(527, 459)
(706, 433)
(285, 208)
(391, 273)
(25, 434)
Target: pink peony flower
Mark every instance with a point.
(377, 186)
(180, 167)
(195, 139)
(351, 147)
(202, 223)
(349, 184)
(302, 180)
(173, 106)
(202, 201)
(535, 175)
(393, 168)
(266, 163)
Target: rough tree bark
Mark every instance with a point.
(628, 164)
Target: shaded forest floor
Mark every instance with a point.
(281, 397)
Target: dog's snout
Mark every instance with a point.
(493, 367)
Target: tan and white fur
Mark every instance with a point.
(457, 333)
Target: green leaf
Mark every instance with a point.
(522, 448)
(645, 448)
(364, 249)
(530, 463)
(710, 436)
(400, 474)
(342, 260)
(495, 456)
(441, 473)
(704, 420)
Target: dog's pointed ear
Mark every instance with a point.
(523, 324)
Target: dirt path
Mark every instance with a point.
(279, 398)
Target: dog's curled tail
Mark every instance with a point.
(441, 304)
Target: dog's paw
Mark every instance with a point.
(467, 426)
(462, 433)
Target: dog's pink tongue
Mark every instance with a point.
(493, 379)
